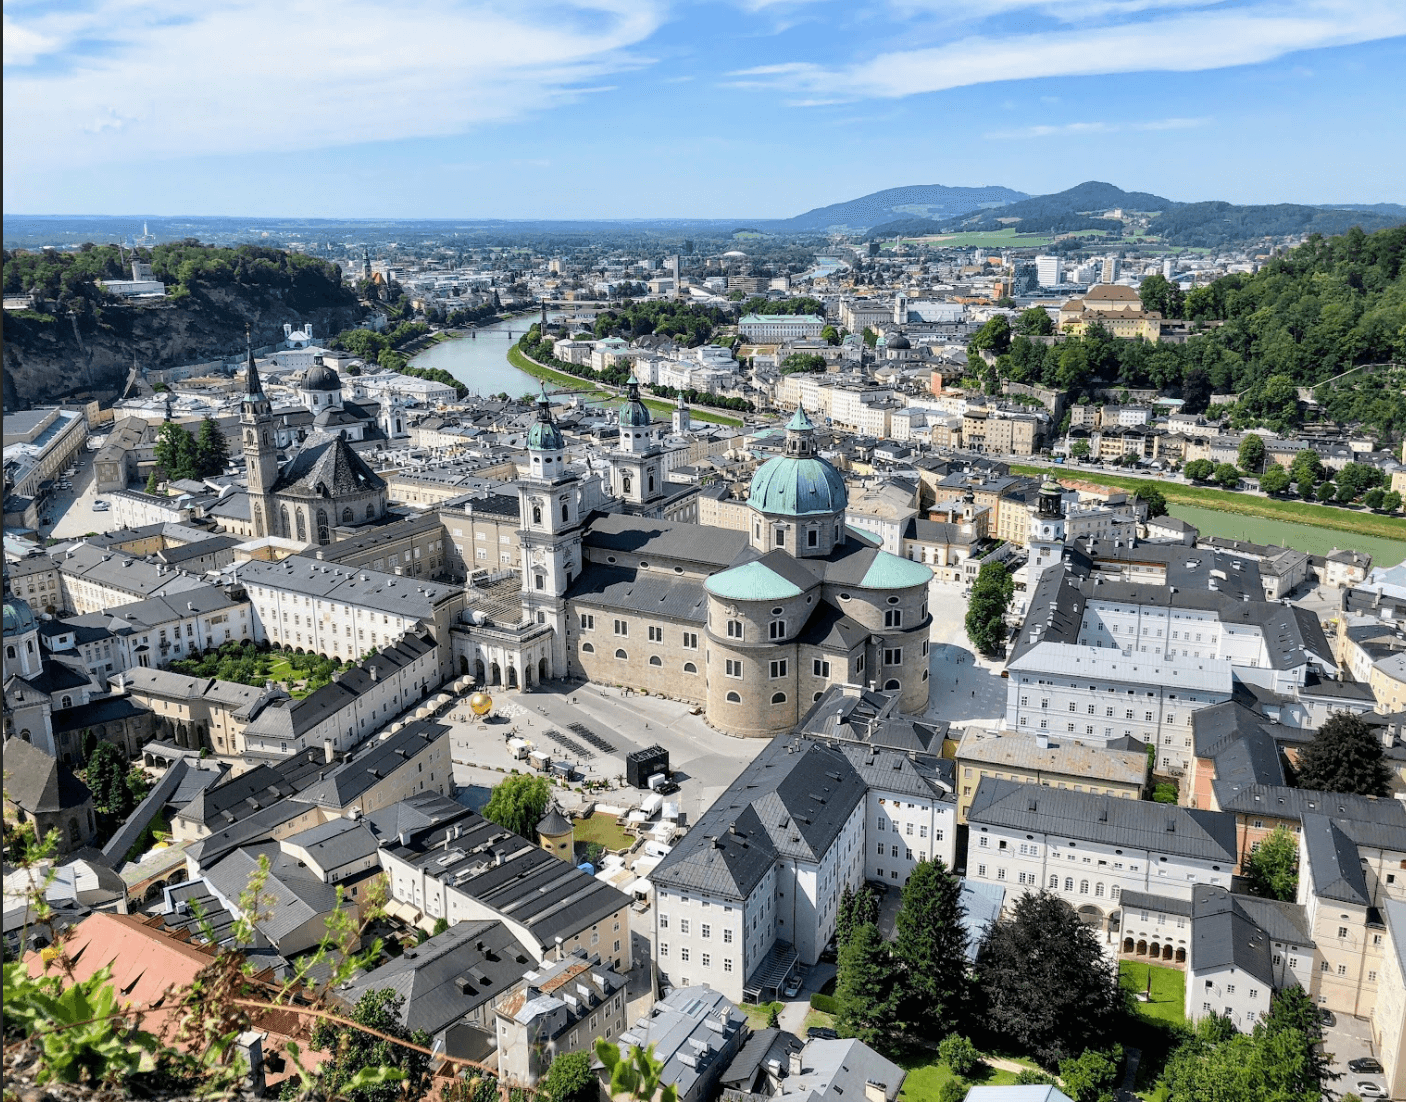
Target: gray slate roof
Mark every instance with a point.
(1333, 861)
(1141, 824)
(38, 783)
(326, 466)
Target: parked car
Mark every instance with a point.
(101, 506)
(1365, 1064)
(1368, 1089)
(1328, 1017)
(821, 1033)
(793, 987)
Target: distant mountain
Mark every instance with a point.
(1207, 225)
(1066, 211)
(1395, 210)
(915, 201)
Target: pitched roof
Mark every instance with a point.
(326, 466)
(38, 783)
(1333, 862)
(1164, 828)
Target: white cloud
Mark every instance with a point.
(172, 79)
(1075, 129)
(1175, 41)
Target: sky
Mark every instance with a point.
(651, 109)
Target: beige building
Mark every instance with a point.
(1116, 307)
(196, 712)
(1389, 1017)
(482, 533)
(414, 547)
(995, 432)
(1056, 763)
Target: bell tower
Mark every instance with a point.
(549, 505)
(260, 449)
(637, 469)
(1046, 542)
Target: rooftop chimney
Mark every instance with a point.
(796, 1066)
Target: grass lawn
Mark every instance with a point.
(1168, 990)
(604, 829)
(816, 1019)
(519, 360)
(1228, 501)
(757, 1014)
(925, 1079)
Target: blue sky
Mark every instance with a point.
(636, 108)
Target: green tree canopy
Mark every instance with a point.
(1199, 470)
(1035, 322)
(1159, 293)
(176, 452)
(211, 449)
(994, 336)
(986, 610)
(1151, 495)
(830, 335)
(865, 989)
(930, 949)
(857, 908)
(518, 803)
(798, 362)
(1251, 456)
(570, 1079)
(355, 1052)
(1275, 480)
(1045, 982)
(1272, 868)
(106, 777)
(1227, 475)
(1344, 756)
(1092, 1075)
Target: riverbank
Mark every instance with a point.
(524, 363)
(1356, 522)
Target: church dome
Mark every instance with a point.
(544, 436)
(898, 340)
(634, 413)
(798, 483)
(321, 377)
(18, 616)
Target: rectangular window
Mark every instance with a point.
(727, 937)
(656, 634)
(622, 627)
(690, 640)
(893, 618)
(893, 656)
(734, 629)
(820, 668)
(683, 925)
(778, 667)
(733, 668)
(707, 930)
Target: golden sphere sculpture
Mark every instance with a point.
(481, 703)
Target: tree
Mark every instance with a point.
(1159, 293)
(1326, 492)
(994, 336)
(1092, 1075)
(1344, 756)
(175, 452)
(1035, 322)
(865, 991)
(1291, 1008)
(1151, 495)
(211, 449)
(636, 1074)
(871, 339)
(152, 484)
(354, 1051)
(930, 949)
(1373, 497)
(570, 1079)
(959, 1054)
(1200, 470)
(106, 777)
(1165, 793)
(1356, 479)
(1251, 455)
(1196, 390)
(856, 909)
(1079, 449)
(518, 803)
(1307, 466)
(1391, 501)
(1275, 480)
(1227, 475)
(830, 335)
(1044, 980)
(986, 610)
(802, 362)
(1273, 1063)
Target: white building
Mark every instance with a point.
(1090, 849)
(1049, 270)
(770, 328)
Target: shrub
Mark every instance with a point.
(826, 1004)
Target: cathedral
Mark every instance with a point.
(751, 626)
(324, 487)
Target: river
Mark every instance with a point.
(1301, 537)
(481, 362)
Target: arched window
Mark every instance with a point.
(24, 735)
(620, 653)
(324, 534)
(733, 698)
(371, 512)
(892, 684)
(816, 696)
(1083, 887)
(651, 484)
(9, 652)
(655, 660)
(689, 667)
(778, 698)
(302, 527)
(588, 648)
(287, 528)
(536, 514)
(1069, 883)
(565, 516)
(347, 515)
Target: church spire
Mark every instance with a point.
(253, 388)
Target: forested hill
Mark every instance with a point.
(78, 339)
(1304, 318)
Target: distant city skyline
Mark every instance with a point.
(610, 109)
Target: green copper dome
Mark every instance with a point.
(18, 617)
(798, 487)
(544, 436)
(634, 414)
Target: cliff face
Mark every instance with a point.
(91, 354)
